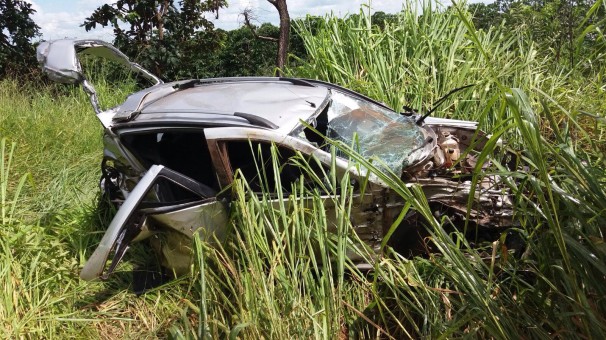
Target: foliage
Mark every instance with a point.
(567, 29)
(263, 283)
(486, 15)
(55, 224)
(277, 269)
(382, 19)
(419, 58)
(554, 289)
(168, 38)
(272, 271)
(17, 29)
(244, 55)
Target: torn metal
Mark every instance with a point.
(171, 149)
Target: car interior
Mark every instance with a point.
(184, 151)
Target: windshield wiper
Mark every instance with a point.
(439, 102)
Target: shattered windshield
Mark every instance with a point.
(374, 131)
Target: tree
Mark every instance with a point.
(283, 40)
(284, 35)
(17, 29)
(243, 54)
(486, 15)
(564, 28)
(380, 19)
(162, 35)
(553, 24)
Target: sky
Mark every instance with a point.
(62, 18)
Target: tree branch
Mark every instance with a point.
(246, 14)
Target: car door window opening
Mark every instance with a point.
(185, 152)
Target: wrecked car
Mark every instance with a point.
(172, 148)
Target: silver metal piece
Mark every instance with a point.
(96, 263)
(149, 138)
(59, 61)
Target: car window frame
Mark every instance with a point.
(217, 139)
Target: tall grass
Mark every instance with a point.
(425, 54)
(283, 272)
(50, 151)
(429, 51)
(553, 289)
(59, 143)
(266, 282)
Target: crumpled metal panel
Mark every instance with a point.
(281, 103)
(58, 59)
(60, 62)
(208, 220)
(177, 229)
(491, 205)
(96, 262)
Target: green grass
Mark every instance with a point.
(59, 143)
(282, 274)
(559, 199)
(51, 151)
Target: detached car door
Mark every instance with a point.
(172, 224)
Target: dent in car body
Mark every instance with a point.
(147, 136)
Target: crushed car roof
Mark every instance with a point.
(274, 103)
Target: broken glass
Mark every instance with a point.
(374, 131)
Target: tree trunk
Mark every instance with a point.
(280, 5)
(160, 13)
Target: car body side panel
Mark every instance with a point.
(208, 220)
(174, 231)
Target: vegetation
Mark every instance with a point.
(282, 274)
(568, 30)
(167, 38)
(17, 30)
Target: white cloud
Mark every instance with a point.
(63, 21)
(60, 19)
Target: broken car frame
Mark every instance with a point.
(172, 148)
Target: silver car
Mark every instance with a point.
(172, 151)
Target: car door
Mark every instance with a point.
(173, 223)
(249, 153)
(60, 62)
